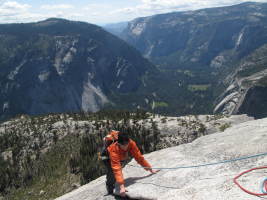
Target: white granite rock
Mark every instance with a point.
(203, 183)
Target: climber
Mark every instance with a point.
(117, 153)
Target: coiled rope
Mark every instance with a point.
(263, 185)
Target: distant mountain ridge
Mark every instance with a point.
(198, 36)
(58, 65)
(209, 45)
(64, 66)
(115, 28)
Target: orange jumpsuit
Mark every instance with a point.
(116, 155)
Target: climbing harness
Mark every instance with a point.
(263, 185)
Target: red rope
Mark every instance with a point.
(247, 191)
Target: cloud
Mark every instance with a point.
(98, 7)
(58, 6)
(9, 9)
(96, 10)
(151, 7)
(169, 4)
(11, 5)
(14, 12)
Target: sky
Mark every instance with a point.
(99, 12)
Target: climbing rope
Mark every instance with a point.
(207, 164)
(263, 185)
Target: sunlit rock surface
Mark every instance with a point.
(209, 182)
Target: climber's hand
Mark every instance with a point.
(123, 190)
(154, 171)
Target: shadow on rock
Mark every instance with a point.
(133, 180)
(117, 197)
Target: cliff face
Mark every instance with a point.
(63, 66)
(208, 182)
(206, 36)
(246, 92)
(255, 102)
(223, 48)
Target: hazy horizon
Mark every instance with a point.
(99, 12)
